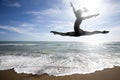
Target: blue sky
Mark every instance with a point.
(32, 20)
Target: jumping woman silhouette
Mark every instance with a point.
(77, 30)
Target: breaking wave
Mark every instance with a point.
(59, 64)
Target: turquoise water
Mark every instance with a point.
(58, 58)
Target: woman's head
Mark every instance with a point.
(79, 12)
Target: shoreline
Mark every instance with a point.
(106, 74)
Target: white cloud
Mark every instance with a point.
(25, 28)
(12, 4)
(15, 5)
(2, 32)
(47, 12)
(61, 25)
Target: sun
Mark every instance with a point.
(92, 5)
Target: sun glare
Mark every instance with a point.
(94, 39)
(96, 43)
(92, 5)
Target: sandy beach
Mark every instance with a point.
(106, 74)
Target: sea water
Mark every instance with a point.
(58, 58)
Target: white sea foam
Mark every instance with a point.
(59, 65)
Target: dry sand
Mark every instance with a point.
(107, 74)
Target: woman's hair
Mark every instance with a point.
(85, 10)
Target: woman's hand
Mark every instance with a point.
(71, 4)
(96, 14)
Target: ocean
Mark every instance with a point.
(58, 58)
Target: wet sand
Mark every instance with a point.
(106, 74)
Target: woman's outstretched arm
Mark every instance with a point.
(72, 7)
(90, 16)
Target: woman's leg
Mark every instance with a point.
(95, 32)
(63, 34)
(60, 33)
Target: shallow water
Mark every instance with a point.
(58, 58)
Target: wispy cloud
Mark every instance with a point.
(50, 11)
(61, 25)
(2, 32)
(47, 14)
(16, 4)
(56, 18)
(9, 3)
(26, 29)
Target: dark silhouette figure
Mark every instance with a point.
(77, 30)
